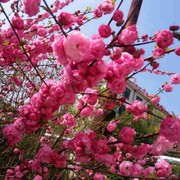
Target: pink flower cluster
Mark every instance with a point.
(83, 75)
(119, 69)
(170, 129)
(128, 36)
(31, 7)
(41, 107)
(138, 109)
(48, 156)
(106, 7)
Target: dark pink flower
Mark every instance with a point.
(31, 7)
(118, 15)
(164, 38)
(104, 31)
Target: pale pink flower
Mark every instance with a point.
(106, 7)
(77, 46)
(160, 146)
(164, 38)
(87, 111)
(111, 126)
(129, 35)
(175, 79)
(158, 52)
(38, 177)
(167, 87)
(163, 168)
(68, 120)
(137, 170)
(126, 168)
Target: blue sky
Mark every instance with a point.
(155, 15)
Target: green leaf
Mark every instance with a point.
(88, 9)
(113, 1)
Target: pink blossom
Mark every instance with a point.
(81, 144)
(101, 146)
(155, 99)
(126, 135)
(77, 46)
(163, 168)
(68, 120)
(175, 79)
(44, 154)
(158, 52)
(164, 38)
(91, 97)
(137, 170)
(38, 177)
(66, 19)
(87, 111)
(97, 48)
(58, 50)
(106, 7)
(136, 107)
(140, 151)
(99, 176)
(99, 112)
(111, 126)
(129, 35)
(177, 51)
(4, 1)
(160, 146)
(170, 129)
(106, 159)
(126, 168)
(18, 23)
(31, 7)
(167, 87)
(104, 30)
(118, 15)
(12, 134)
(148, 172)
(59, 161)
